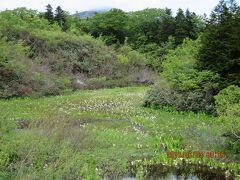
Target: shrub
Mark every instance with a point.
(132, 67)
(73, 54)
(232, 121)
(161, 94)
(133, 56)
(13, 69)
(228, 107)
(226, 98)
(164, 94)
(14, 22)
(156, 54)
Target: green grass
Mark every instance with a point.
(91, 133)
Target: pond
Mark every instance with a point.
(161, 172)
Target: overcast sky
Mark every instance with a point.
(198, 6)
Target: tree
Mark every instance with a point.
(111, 26)
(60, 18)
(146, 27)
(220, 50)
(190, 24)
(167, 27)
(181, 27)
(49, 14)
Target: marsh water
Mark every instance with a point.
(159, 172)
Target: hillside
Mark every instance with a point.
(39, 59)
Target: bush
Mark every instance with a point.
(228, 107)
(14, 22)
(157, 53)
(164, 94)
(128, 56)
(22, 76)
(232, 121)
(161, 94)
(226, 98)
(13, 68)
(132, 66)
(44, 62)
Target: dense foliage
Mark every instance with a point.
(182, 85)
(149, 26)
(220, 50)
(111, 26)
(198, 70)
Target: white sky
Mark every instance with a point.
(198, 6)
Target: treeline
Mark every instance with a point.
(60, 16)
(149, 26)
(137, 28)
(151, 31)
(197, 70)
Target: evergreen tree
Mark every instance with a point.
(49, 14)
(190, 24)
(181, 27)
(60, 18)
(220, 50)
(168, 11)
(167, 26)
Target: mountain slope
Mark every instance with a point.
(90, 13)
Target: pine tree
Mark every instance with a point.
(220, 50)
(49, 14)
(60, 18)
(190, 24)
(167, 26)
(181, 27)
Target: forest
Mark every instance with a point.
(111, 95)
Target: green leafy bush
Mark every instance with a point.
(228, 107)
(226, 98)
(13, 69)
(232, 120)
(132, 57)
(131, 67)
(157, 53)
(14, 22)
(164, 94)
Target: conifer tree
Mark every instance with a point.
(181, 27)
(220, 50)
(190, 24)
(60, 18)
(49, 14)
